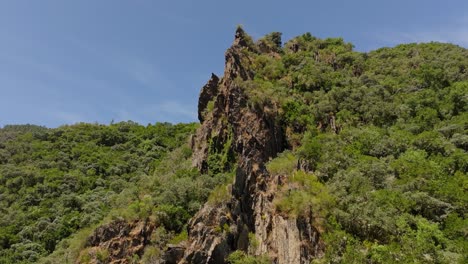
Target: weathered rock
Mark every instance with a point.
(222, 227)
(257, 137)
(207, 93)
(209, 242)
(241, 39)
(117, 241)
(173, 254)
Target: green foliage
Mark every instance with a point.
(270, 43)
(221, 157)
(248, 39)
(240, 257)
(220, 195)
(253, 242)
(209, 107)
(56, 182)
(310, 149)
(297, 117)
(168, 197)
(284, 164)
(102, 256)
(383, 134)
(172, 217)
(182, 236)
(151, 255)
(381, 138)
(305, 195)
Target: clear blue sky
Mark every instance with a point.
(65, 61)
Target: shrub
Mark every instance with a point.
(102, 255)
(151, 255)
(220, 195)
(284, 164)
(305, 194)
(182, 236)
(240, 257)
(172, 217)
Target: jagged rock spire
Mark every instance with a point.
(207, 93)
(255, 137)
(242, 39)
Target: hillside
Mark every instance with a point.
(307, 152)
(57, 182)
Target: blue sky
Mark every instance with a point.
(64, 61)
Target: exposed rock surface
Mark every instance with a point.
(257, 137)
(222, 227)
(207, 93)
(117, 242)
(173, 254)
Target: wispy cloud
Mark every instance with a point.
(172, 111)
(122, 114)
(127, 65)
(68, 117)
(146, 74)
(34, 65)
(456, 36)
(178, 109)
(455, 32)
(166, 111)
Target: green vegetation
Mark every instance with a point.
(240, 257)
(284, 164)
(305, 195)
(382, 139)
(221, 158)
(57, 185)
(377, 155)
(220, 195)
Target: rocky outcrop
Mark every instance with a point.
(173, 254)
(207, 93)
(117, 242)
(208, 241)
(256, 137)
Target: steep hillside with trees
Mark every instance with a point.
(56, 182)
(373, 156)
(307, 152)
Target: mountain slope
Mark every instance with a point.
(307, 152)
(56, 182)
(375, 163)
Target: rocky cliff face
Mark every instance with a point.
(117, 242)
(256, 137)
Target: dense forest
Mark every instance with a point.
(59, 182)
(383, 139)
(376, 150)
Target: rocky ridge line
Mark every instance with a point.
(256, 138)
